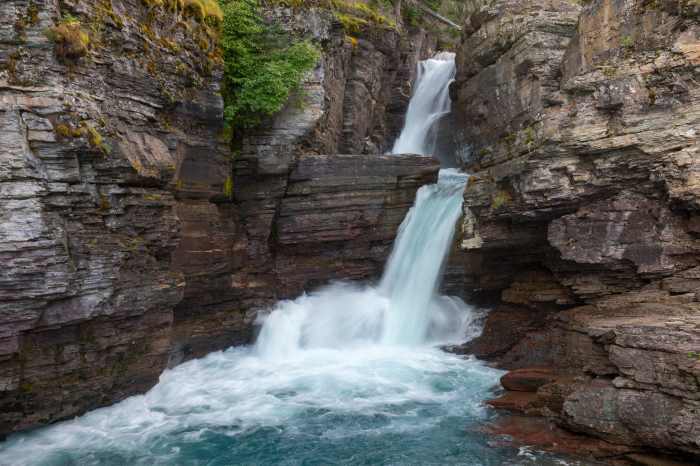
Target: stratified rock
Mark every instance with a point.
(331, 217)
(581, 126)
(297, 218)
(518, 430)
(93, 151)
(521, 402)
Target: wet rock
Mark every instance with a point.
(504, 328)
(545, 435)
(515, 401)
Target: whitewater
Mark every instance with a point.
(350, 374)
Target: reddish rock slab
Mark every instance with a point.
(527, 380)
(515, 401)
(643, 459)
(540, 433)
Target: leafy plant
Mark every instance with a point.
(262, 66)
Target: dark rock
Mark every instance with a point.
(515, 401)
(518, 430)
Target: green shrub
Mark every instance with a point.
(262, 65)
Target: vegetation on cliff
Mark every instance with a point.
(262, 65)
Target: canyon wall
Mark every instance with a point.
(581, 125)
(131, 237)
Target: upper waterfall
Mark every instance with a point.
(429, 103)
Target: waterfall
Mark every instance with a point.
(404, 309)
(413, 273)
(348, 374)
(430, 102)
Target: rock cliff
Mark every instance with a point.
(128, 241)
(581, 126)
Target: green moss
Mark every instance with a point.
(71, 41)
(228, 187)
(501, 199)
(483, 153)
(104, 203)
(207, 11)
(627, 42)
(94, 137)
(529, 136)
(652, 96)
(32, 14)
(62, 130)
(65, 130)
(26, 387)
(351, 23)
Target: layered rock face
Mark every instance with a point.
(124, 249)
(355, 101)
(96, 135)
(581, 126)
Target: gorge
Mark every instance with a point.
(294, 291)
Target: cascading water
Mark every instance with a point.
(345, 375)
(413, 271)
(430, 102)
(404, 310)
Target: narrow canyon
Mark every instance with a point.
(350, 232)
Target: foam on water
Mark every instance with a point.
(338, 376)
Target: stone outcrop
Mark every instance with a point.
(355, 100)
(127, 242)
(581, 124)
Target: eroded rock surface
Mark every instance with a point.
(581, 126)
(93, 147)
